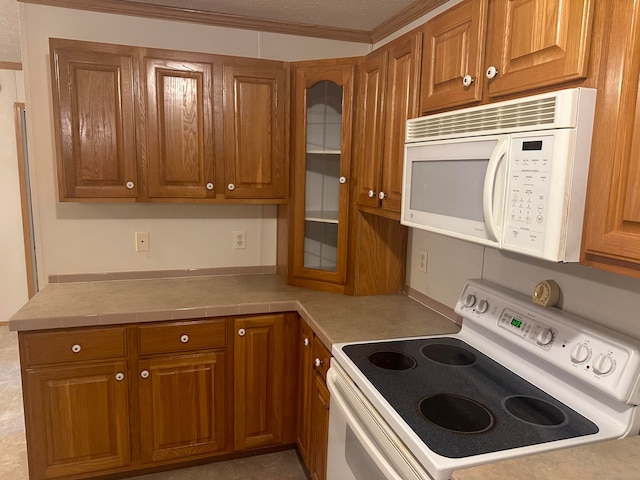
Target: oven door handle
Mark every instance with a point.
(490, 177)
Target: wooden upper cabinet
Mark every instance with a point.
(612, 216)
(537, 43)
(390, 87)
(454, 49)
(179, 157)
(258, 364)
(255, 115)
(95, 120)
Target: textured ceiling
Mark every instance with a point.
(9, 31)
(349, 14)
(357, 15)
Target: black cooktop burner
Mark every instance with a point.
(534, 411)
(452, 380)
(448, 354)
(392, 360)
(456, 413)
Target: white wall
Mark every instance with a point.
(13, 276)
(606, 298)
(82, 238)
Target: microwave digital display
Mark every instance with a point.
(532, 145)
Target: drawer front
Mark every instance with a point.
(182, 336)
(75, 345)
(320, 352)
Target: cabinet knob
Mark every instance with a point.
(231, 187)
(342, 179)
(371, 194)
(130, 185)
(241, 332)
(317, 362)
(467, 80)
(306, 342)
(184, 338)
(382, 195)
(119, 376)
(492, 72)
(76, 348)
(209, 186)
(144, 373)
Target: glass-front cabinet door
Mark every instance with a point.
(322, 152)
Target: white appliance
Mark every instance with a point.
(517, 379)
(511, 175)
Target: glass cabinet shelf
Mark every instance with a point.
(322, 217)
(318, 151)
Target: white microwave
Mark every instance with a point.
(510, 175)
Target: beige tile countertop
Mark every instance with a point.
(335, 318)
(611, 460)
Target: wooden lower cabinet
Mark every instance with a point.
(77, 418)
(258, 381)
(313, 417)
(102, 401)
(182, 405)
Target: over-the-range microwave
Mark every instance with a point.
(511, 175)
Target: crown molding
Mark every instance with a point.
(121, 7)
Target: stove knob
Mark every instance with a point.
(544, 337)
(580, 353)
(470, 301)
(603, 364)
(482, 307)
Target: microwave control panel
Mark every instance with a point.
(528, 188)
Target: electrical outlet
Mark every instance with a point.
(142, 241)
(239, 239)
(423, 257)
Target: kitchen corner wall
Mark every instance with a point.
(93, 237)
(13, 276)
(602, 297)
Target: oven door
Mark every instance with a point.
(361, 445)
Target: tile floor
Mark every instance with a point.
(13, 455)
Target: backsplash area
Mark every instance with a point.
(602, 297)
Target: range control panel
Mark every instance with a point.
(605, 359)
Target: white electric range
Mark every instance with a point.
(517, 379)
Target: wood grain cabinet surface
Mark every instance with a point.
(612, 217)
(115, 400)
(389, 91)
(313, 416)
(94, 95)
(76, 397)
(138, 124)
(529, 44)
(255, 105)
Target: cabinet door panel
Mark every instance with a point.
(403, 87)
(254, 98)
(78, 419)
(320, 422)
(95, 120)
(258, 366)
(373, 87)
(454, 47)
(612, 216)
(305, 385)
(545, 42)
(182, 406)
(180, 156)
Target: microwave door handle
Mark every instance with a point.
(489, 183)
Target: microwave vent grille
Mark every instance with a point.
(506, 117)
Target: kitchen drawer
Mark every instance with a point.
(321, 353)
(182, 336)
(74, 345)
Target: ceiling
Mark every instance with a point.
(355, 20)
